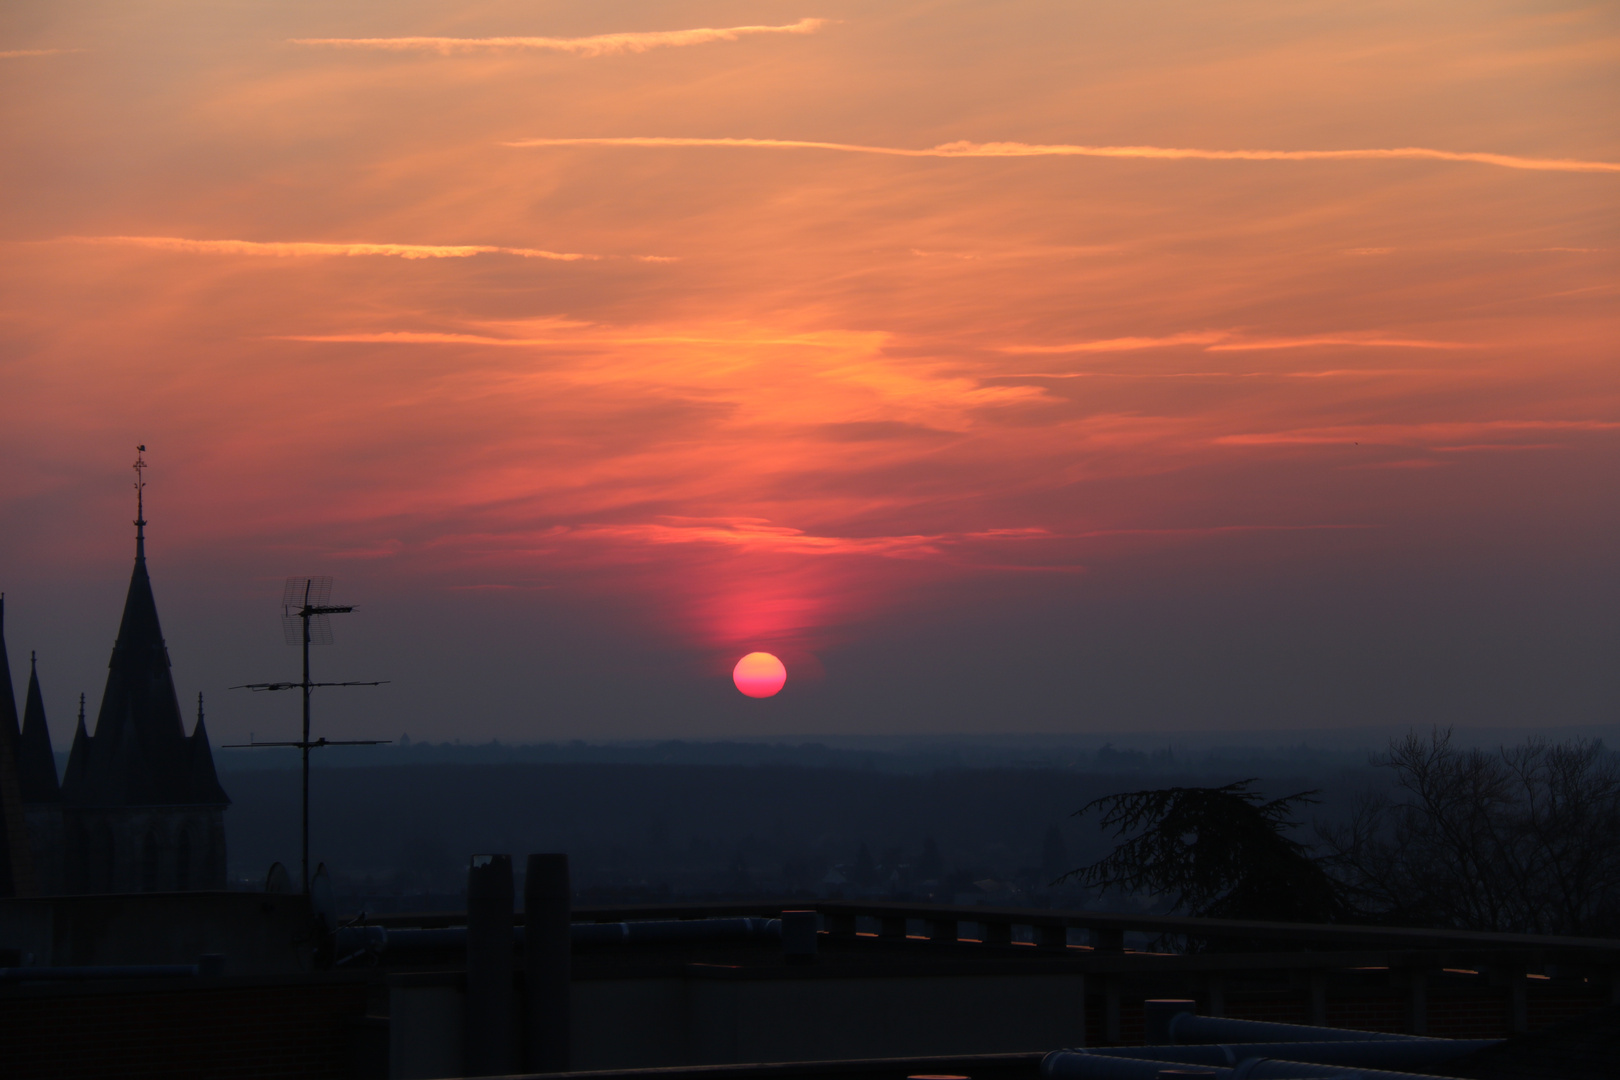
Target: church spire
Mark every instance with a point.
(137, 754)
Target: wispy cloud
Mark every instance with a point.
(294, 249)
(1455, 436)
(965, 149)
(1333, 373)
(596, 45)
(758, 535)
(755, 534)
(587, 335)
(13, 54)
(1229, 341)
(1119, 344)
(420, 337)
(1254, 344)
(984, 550)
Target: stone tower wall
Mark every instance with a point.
(143, 849)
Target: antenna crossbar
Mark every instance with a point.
(304, 611)
(308, 745)
(300, 685)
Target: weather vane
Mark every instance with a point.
(140, 486)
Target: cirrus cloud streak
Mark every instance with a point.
(595, 45)
(1229, 341)
(304, 248)
(965, 149)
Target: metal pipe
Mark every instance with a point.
(1273, 1069)
(1381, 1053)
(1097, 1065)
(1157, 1014)
(1188, 1027)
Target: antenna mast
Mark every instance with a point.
(304, 611)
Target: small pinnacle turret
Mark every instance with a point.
(16, 859)
(36, 763)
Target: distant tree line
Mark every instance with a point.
(1521, 839)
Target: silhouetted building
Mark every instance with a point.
(140, 808)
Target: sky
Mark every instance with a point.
(1025, 366)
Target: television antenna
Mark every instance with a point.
(305, 607)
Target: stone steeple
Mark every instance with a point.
(140, 808)
(140, 754)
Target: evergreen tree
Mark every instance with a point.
(1217, 852)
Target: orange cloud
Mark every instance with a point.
(1331, 373)
(1369, 342)
(965, 149)
(1230, 341)
(596, 45)
(302, 248)
(1118, 344)
(1436, 434)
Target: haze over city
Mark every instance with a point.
(1030, 367)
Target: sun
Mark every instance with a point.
(759, 675)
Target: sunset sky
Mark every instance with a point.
(1019, 366)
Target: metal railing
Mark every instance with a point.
(1105, 931)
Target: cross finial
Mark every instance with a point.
(140, 501)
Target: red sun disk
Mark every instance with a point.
(759, 675)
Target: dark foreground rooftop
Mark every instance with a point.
(881, 991)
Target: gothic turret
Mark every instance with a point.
(204, 780)
(36, 763)
(16, 861)
(73, 775)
